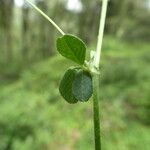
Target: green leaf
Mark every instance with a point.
(72, 48)
(65, 87)
(82, 86)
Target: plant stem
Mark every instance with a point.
(101, 32)
(96, 115)
(45, 16)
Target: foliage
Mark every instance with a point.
(82, 86)
(33, 114)
(65, 86)
(72, 48)
(76, 84)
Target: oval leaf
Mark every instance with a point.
(82, 86)
(65, 87)
(72, 48)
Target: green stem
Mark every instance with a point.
(96, 115)
(45, 16)
(101, 33)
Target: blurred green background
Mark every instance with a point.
(33, 116)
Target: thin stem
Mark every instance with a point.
(45, 16)
(96, 114)
(101, 32)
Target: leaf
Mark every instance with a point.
(82, 86)
(72, 48)
(65, 87)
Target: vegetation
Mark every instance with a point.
(33, 115)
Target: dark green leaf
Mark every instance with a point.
(82, 86)
(65, 87)
(72, 48)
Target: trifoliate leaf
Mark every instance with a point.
(65, 87)
(72, 48)
(82, 86)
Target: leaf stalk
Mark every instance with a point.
(45, 16)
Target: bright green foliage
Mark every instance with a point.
(65, 87)
(72, 48)
(82, 86)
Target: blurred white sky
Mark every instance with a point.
(74, 5)
(19, 3)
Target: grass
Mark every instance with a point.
(34, 116)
